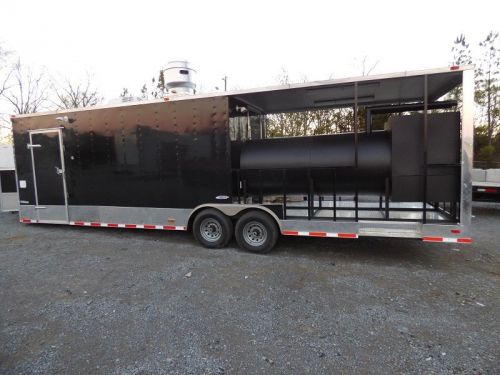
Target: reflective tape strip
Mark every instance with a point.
(172, 227)
(127, 226)
(109, 225)
(487, 190)
(318, 234)
(447, 239)
(347, 235)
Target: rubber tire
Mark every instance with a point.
(225, 223)
(267, 221)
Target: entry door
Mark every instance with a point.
(48, 175)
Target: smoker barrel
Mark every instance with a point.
(319, 154)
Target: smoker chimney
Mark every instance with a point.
(179, 77)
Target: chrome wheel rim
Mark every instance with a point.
(210, 230)
(254, 233)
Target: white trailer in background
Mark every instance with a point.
(486, 184)
(9, 198)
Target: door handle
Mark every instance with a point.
(59, 171)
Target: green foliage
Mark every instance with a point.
(486, 153)
(487, 92)
(483, 150)
(488, 84)
(312, 122)
(480, 137)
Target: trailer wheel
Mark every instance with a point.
(212, 228)
(256, 232)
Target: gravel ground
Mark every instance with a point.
(85, 300)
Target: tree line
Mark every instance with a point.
(486, 58)
(24, 89)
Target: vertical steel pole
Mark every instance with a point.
(334, 196)
(368, 120)
(467, 139)
(238, 185)
(387, 192)
(261, 195)
(284, 192)
(426, 105)
(356, 149)
(356, 124)
(309, 196)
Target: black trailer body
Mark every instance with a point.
(204, 163)
(171, 154)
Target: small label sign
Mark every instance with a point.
(22, 184)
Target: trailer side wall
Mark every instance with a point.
(170, 154)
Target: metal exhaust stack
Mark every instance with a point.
(179, 78)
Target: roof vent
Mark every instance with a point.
(179, 78)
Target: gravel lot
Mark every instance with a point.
(84, 300)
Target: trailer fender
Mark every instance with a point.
(233, 210)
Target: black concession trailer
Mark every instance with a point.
(204, 163)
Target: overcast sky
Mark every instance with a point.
(123, 43)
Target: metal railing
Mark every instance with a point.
(344, 206)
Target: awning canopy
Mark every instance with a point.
(398, 88)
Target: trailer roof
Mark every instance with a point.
(401, 87)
